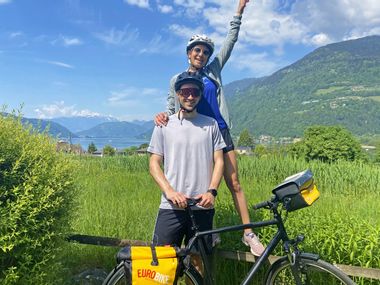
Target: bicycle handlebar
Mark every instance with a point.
(261, 205)
(192, 202)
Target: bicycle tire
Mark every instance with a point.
(313, 271)
(117, 276)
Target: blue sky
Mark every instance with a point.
(88, 57)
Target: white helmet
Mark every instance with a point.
(200, 40)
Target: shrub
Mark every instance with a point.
(328, 144)
(108, 150)
(36, 198)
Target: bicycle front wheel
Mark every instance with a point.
(312, 271)
(117, 277)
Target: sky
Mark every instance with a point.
(116, 57)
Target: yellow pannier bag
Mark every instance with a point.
(146, 265)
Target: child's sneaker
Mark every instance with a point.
(254, 243)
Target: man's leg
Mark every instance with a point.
(169, 228)
(204, 221)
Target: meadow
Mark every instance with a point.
(118, 198)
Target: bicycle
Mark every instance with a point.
(296, 267)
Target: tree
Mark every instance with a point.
(329, 144)
(260, 150)
(131, 150)
(245, 139)
(144, 145)
(37, 196)
(377, 155)
(91, 148)
(109, 150)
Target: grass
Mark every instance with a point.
(118, 198)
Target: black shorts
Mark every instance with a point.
(174, 226)
(228, 140)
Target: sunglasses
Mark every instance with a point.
(197, 50)
(186, 92)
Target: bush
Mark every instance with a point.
(109, 150)
(36, 200)
(328, 144)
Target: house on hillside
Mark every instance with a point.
(246, 150)
(66, 147)
(142, 151)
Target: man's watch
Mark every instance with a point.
(213, 192)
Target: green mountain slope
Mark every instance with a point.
(54, 129)
(335, 84)
(116, 130)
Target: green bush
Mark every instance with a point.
(36, 199)
(328, 144)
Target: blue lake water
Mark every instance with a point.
(119, 143)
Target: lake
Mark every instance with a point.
(119, 143)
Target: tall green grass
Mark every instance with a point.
(118, 198)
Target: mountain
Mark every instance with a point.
(335, 84)
(53, 129)
(239, 86)
(117, 130)
(81, 123)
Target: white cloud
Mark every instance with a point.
(65, 41)
(320, 39)
(137, 103)
(133, 96)
(276, 23)
(165, 9)
(139, 3)
(118, 37)
(259, 64)
(61, 64)
(339, 19)
(185, 32)
(156, 45)
(5, 1)
(15, 34)
(191, 6)
(71, 41)
(59, 109)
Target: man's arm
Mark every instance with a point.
(161, 119)
(208, 199)
(158, 175)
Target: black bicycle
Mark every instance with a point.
(296, 267)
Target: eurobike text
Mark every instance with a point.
(153, 275)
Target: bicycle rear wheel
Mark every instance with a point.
(313, 271)
(117, 277)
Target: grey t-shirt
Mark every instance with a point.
(188, 147)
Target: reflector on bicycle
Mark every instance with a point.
(297, 191)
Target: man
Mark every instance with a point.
(190, 148)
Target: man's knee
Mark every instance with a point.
(196, 260)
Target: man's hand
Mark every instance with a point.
(161, 119)
(207, 200)
(177, 199)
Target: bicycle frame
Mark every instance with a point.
(281, 235)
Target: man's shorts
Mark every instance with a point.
(228, 140)
(174, 226)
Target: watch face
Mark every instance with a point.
(213, 192)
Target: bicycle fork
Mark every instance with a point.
(293, 256)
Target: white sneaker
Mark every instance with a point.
(254, 243)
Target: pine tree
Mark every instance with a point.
(245, 139)
(91, 148)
